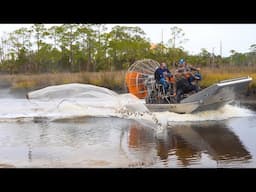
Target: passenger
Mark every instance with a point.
(193, 75)
(160, 75)
(184, 78)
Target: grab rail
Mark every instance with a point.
(235, 79)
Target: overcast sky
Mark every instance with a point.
(233, 36)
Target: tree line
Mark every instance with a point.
(91, 47)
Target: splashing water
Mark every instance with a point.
(226, 112)
(73, 90)
(80, 100)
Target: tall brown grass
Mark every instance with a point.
(111, 80)
(214, 75)
(115, 80)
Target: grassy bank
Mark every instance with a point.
(115, 80)
(215, 75)
(111, 80)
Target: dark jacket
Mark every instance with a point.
(159, 73)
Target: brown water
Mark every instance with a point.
(204, 140)
(113, 142)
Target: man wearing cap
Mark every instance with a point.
(182, 76)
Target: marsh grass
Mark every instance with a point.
(111, 80)
(115, 80)
(215, 75)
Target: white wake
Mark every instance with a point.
(82, 100)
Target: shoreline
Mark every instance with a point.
(19, 85)
(244, 99)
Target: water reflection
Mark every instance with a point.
(188, 142)
(213, 138)
(175, 145)
(113, 142)
(140, 136)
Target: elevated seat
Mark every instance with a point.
(159, 87)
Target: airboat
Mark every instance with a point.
(140, 82)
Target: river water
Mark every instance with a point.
(101, 131)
